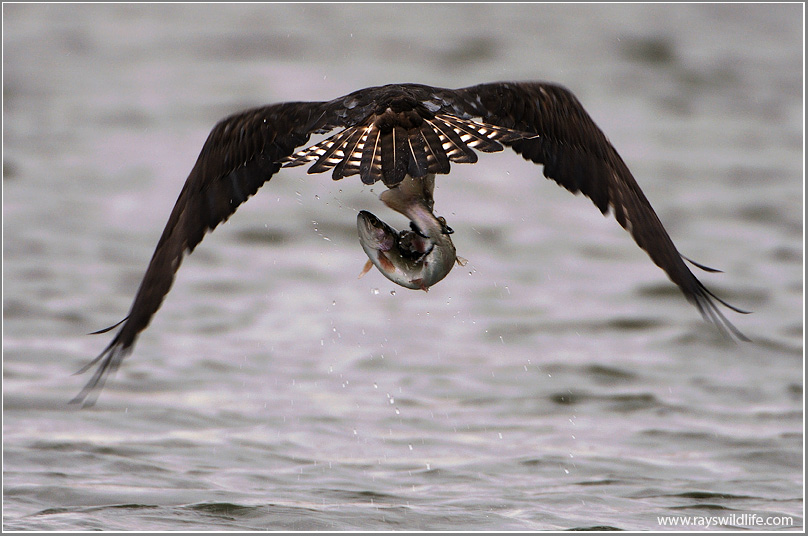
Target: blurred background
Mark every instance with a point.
(557, 381)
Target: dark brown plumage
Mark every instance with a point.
(386, 133)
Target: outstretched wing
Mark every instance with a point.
(390, 132)
(577, 155)
(241, 153)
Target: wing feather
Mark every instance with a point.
(577, 155)
(418, 161)
(437, 160)
(350, 165)
(370, 167)
(455, 148)
(241, 153)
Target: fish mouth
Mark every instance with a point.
(375, 233)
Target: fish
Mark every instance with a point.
(407, 258)
(414, 258)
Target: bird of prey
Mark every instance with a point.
(400, 134)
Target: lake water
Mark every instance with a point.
(557, 381)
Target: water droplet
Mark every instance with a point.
(567, 471)
(334, 302)
(392, 400)
(428, 467)
(392, 292)
(410, 445)
(375, 291)
(316, 196)
(375, 386)
(500, 435)
(398, 412)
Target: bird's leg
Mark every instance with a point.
(413, 198)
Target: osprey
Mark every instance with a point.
(400, 134)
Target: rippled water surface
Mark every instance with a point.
(559, 380)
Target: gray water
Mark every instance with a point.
(557, 381)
